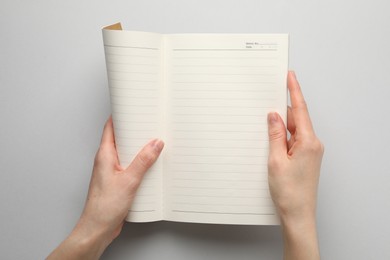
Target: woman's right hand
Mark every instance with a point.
(293, 175)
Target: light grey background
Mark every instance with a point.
(54, 102)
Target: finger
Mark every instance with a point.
(299, 108)
(277, 136)
(108, 133)
(290, 121)
(145, 159)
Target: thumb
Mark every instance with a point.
(277, 135)
(145, 159)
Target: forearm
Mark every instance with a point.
(81, 244)
(300, 238)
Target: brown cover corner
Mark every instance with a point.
(115, 26)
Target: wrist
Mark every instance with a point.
(303, 221)
(301, 216)
(89, 241)
(80, 244)
(295, 223)
(300, 236)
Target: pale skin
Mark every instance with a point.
(293, 168)
(294, 171)
(111, 192)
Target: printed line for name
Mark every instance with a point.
(130, 47)
(220, 212)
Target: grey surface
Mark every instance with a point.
(54, 102)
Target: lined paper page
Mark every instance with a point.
(134, 74)
(220, 91)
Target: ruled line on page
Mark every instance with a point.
(220, 212)
(133, 75)
(130, 47)
(226, 95)
(224, 50)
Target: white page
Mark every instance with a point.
(134, 74)
(220, 89)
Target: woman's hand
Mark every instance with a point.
(111, 193)
(293, 174)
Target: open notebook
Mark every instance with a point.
(207, 96)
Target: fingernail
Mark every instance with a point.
(158, 145)
(293, 73)
(272, 118)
